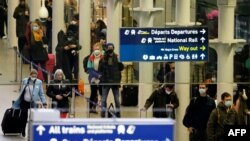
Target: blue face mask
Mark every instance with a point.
(228, 103)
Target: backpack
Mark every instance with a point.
(85, 63)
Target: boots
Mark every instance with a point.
(92, 108)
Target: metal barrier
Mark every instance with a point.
(15, 70)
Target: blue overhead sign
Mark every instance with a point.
(164, 44)
(105, 130)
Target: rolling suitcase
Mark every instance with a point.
(129, 95)
(50, 65)
(14, 121)
(129, 92)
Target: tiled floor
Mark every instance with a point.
(9, 87)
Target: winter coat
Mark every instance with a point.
(198, 112)
(218, 118)
(93, 74)
(61, 38)
(73, 42)
(159, 99)
(57, 87)
(110, 73)
(38, 52)
(21, 20)
(37, 93)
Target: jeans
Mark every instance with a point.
(105, 91)
(94, 96)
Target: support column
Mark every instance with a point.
(225, 50)
(84, 37)
(34, 6)
(182, 74)
(146, 13)
(226, 20)
(12, 39)
(182, 12)
(225, 69)
(57, 22)
(114, 17)
(168, 10)
(145, 69)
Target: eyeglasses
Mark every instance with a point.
(173, 68)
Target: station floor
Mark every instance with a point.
(10, 83)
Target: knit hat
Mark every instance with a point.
(110, 44)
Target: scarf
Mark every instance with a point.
(37, 35)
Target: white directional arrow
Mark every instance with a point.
(202, 39)
(40, 129)
(203, 31)
(202, 56)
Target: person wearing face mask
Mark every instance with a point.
(94, 75)
(21, 14)
(197, 114)
(110, 69)
(59, 91)
(71, 56)
(223, 115)
(31, 94)
(163, 98)
(38, 51)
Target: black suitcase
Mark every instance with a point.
(14, 121)
(129, 95)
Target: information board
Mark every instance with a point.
(105, 130)
(164, 44)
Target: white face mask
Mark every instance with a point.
(213, 79)
(168, 92)
(35, 28)
(202, 91)
(97, 52)
(33, 78)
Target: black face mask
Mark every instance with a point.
(110, 51)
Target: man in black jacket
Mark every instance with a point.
(163, 99)
(21, 15)
(197, 115)
(110, 69)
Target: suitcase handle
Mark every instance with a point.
(13, 112)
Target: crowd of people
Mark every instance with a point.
(205, 118)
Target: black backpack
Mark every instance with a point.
(85, 63)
